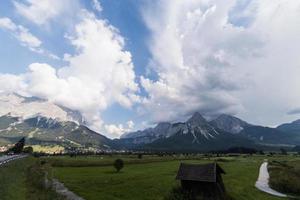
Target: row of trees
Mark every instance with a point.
(19, 147)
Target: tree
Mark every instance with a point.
(119, 164)
(18, 147)
(283, 151)
(28, 149)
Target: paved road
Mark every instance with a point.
(6, 159)
(262, 182)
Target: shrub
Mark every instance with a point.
(119, 164)
(28, 149)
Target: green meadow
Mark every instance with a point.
(149, 178)
(153, 177)
(23, 180)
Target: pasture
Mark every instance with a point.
(152, 177)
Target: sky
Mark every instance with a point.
(129, 64)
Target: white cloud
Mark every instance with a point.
(211, 59)
(130, 124)
(97, 6)
(11, 83)
(98, 75)
(118, 130)
(25, 38)
(21, 33)
(6, 23)
(42, 11)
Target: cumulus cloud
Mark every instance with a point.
(11, 83)
(117, 130)
(24, 36)
(97, 6)
(130, 124)
(42, 11)
(98, 75)
(223, 57)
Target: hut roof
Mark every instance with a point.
(199, 172)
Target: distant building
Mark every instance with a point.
(202, 179)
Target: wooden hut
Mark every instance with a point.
(202, 179)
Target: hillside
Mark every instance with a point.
(45, 123)
(44, 131)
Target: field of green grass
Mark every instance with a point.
(149, 178)
(152, 177)
(23, 180)
(285, 176)
(13, 179)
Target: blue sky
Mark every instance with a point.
(125, 15)
(128, 64)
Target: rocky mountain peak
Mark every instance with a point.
(229, 123)
(162, 126)
(197, 119)
(23, 107)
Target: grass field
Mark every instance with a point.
(13, 179)
(285, 176)
(150, 178)
(22, 180)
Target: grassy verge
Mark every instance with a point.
(285, 177)
(13, 179)
(25, 180)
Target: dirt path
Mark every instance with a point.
(262, 182)
(62, 190)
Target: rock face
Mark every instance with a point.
(43, 122)
(229, 123)
(28, 107)
(259, 134)
(194, 134)
(150, 134)
(47, 131)
(165, 130)
(223, 132)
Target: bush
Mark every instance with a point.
(28, 149)
(119, 164)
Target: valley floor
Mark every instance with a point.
(149, 178)
(141, 179)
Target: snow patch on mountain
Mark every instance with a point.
(15, 105)
(197, 126)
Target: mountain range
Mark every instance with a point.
(223, 132)
(46, 123)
